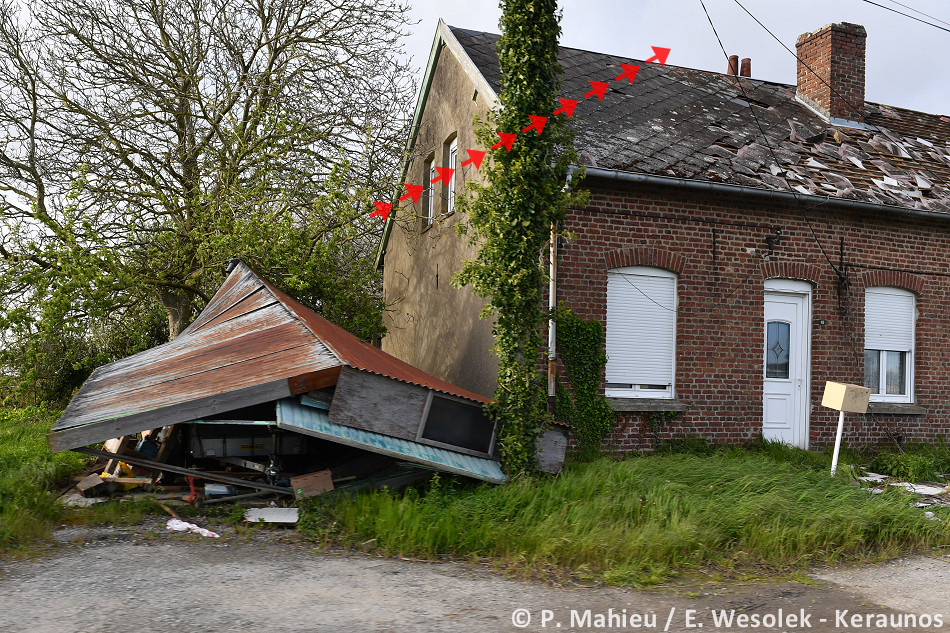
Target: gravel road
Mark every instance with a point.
(132, 580)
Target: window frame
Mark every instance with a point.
(642, 390)
(452, 160)
(428, 197)
(911, 354)
(452, 447)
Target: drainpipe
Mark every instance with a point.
(552, 299)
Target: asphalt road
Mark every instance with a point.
(143, 579)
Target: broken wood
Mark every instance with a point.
(168, 510)
(149, 464)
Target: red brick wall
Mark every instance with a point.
(719, 352)
(836, 54)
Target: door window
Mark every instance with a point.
(777, 347)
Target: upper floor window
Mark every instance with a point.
(641, 332)
(428, 200)
(889, 319)
(450, 185)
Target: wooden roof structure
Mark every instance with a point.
(250, 345)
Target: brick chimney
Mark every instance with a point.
(836, 53)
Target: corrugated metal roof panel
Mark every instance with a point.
(294, 416)
(360, 355)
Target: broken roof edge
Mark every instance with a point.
(784, 196)
(443, 36)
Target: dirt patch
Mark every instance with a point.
(144, 579)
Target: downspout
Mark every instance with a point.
(552, 300)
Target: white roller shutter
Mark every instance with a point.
(889, 319)
(641, 326)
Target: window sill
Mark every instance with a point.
(622, 405)
(896, 408)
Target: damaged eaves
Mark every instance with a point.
(699, 125)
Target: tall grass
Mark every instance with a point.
(637, 521)
(28, 508)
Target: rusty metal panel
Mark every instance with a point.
(253, 342)
(356, 353)
(368, 401)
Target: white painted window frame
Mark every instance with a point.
(637, 391)
(450, 186)
(428, 170)
(882, 362)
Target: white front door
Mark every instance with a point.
(785, 368)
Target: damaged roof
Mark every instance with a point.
(251, 344)
(698, 125)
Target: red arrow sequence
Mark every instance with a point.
(412, 191)
(507, 140)
(475, 157)
(567, 107)
(537, 123)
(660, 55)
(382, 209)
(629, 71)
(598, 88)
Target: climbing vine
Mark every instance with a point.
(581, 346)
(510, 217)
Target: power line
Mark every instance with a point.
(920, 12)
(766, 138)
(912, 17)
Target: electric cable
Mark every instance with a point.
(920, 12)
(912, 17)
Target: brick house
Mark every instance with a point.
(745, 241)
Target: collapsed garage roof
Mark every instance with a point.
(254, 344)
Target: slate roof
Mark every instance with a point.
(695, 124)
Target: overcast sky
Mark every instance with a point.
(908, 63)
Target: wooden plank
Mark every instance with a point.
(197, 474)
(117, 445)
(371, 402)
(69, 438)
(314, 380)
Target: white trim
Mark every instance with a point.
(639, 390)
(803, 289)
(877, 346)
(452, 161)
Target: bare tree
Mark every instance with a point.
(143, 142)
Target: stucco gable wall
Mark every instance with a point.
(432, 325)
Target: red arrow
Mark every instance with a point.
(382, 209)
(660, 55)
(629, 71)
(445, 175)
(475, 157)
(412, 191)
(537, 123)
(567, 107)
(507, 140)
(598, 88)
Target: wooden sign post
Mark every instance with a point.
(844, 397)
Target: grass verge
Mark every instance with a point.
(28, 471)
(638, 521)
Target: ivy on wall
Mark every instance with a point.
(581, 346)
(510, 217)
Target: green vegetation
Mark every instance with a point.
(581, 346)
(511, 218)
(641, 520)
(28, 509)
(917, 462)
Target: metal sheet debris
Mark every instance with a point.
(272, 515)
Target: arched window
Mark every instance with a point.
(641, 332)
(889, 318)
